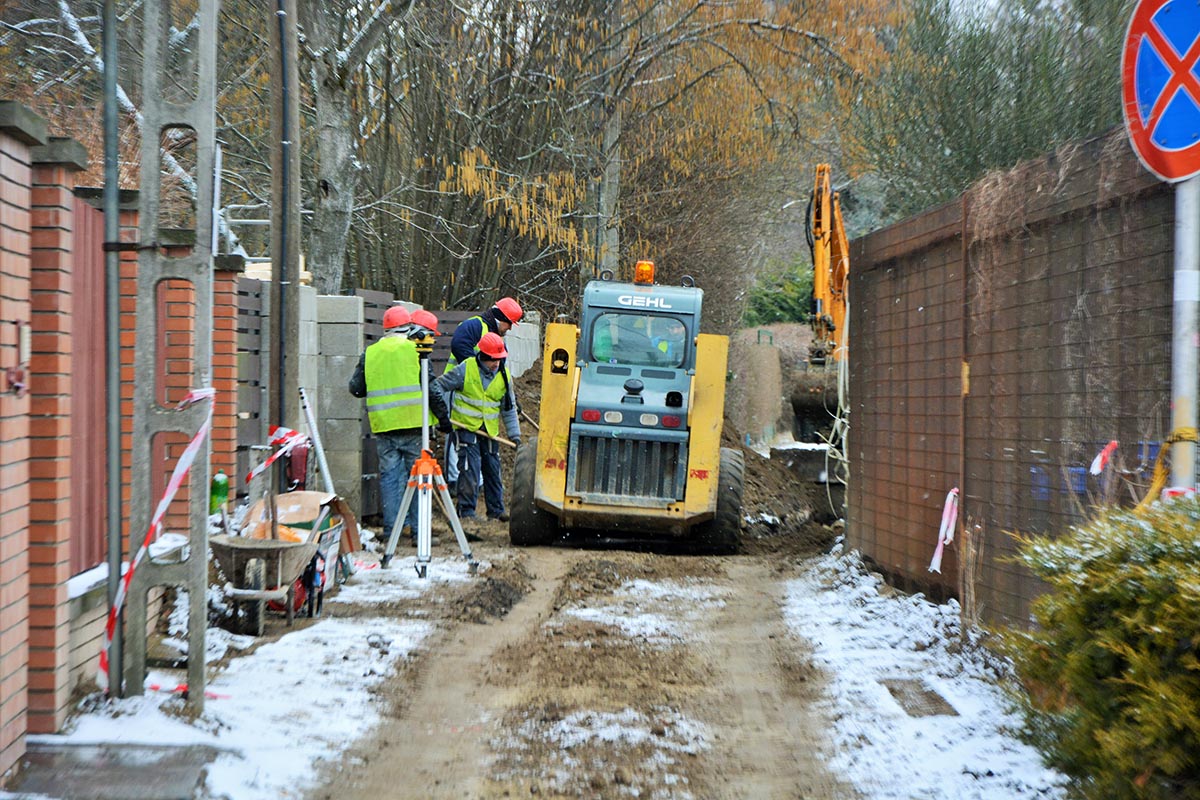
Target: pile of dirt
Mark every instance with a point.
(604, 574)
(775, 503)
(492, 597)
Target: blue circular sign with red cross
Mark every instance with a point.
(1160, 86)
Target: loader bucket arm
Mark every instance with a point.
(560, 385)
(706, 419)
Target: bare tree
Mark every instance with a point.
(340, 39)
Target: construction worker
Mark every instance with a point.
(671, 343)
(470, 400)
(388, 375)
(499, 319)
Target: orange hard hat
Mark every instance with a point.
(510, 309)
(426, 319)
(492, 345)
(395, 317)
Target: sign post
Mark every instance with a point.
(1160, 95)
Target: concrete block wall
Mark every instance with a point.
(309, 346)
(20, 130)
(340, 320)
(524, 343)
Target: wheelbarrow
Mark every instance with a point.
(259, 571)
(319, 518)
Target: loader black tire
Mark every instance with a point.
(721, 535)
(253, 611)
(528, 525)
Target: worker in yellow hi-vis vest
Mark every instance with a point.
(471, 400)
(464, 344)
(389, 376)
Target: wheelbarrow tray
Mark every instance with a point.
(284, 562)
(308, 516)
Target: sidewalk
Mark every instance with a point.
(110, 771)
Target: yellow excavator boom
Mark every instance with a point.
(831, 271)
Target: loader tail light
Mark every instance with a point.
(590, 415)
(670, 421)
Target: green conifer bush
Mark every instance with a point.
(1109, 676)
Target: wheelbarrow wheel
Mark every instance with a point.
(253, 610)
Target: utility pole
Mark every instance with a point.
(606, 171)
(163, 111)
(112, 334)
(283, 403)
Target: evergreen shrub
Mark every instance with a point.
(781, 293)
(1110, 682)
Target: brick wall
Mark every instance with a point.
(51, 526)
(19, 131)
(128, 338)
(224, 435)
(49, 641)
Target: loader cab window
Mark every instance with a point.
(645, 340)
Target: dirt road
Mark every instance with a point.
(599, 673)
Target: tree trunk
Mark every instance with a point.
(610, 191)
(337, 177)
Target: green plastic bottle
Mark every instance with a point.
(218, 493)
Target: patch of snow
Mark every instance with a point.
(84, 582)
(657, 612)
(627, 727)
(861, 637)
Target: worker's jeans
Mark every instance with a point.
(477, 454)
(397, 454)
(451, 461)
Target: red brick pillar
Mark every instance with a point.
(225, 366)
(128, 338)
(50, 525)
(20, 129)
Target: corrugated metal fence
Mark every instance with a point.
(997, 343)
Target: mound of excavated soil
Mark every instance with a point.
(494, 595)
(776, 505)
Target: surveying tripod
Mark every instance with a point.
(424, 481)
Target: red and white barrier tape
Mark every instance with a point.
(946, 532)
(286, 440)
(181, 688)
(177, 477)
(1101, 459)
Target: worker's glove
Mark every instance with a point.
(444, 426)
(516, 440)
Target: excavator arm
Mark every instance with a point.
(831, 271)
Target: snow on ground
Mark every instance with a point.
(863, 636)
(640, 603)
(319, 678)
(860, 636)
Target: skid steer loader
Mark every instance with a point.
(632, 406)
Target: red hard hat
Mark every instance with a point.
(395, 317)
(426, 319)
(511, 309)
(492, 345)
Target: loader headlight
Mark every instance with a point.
(614, 417)
(648, 419)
